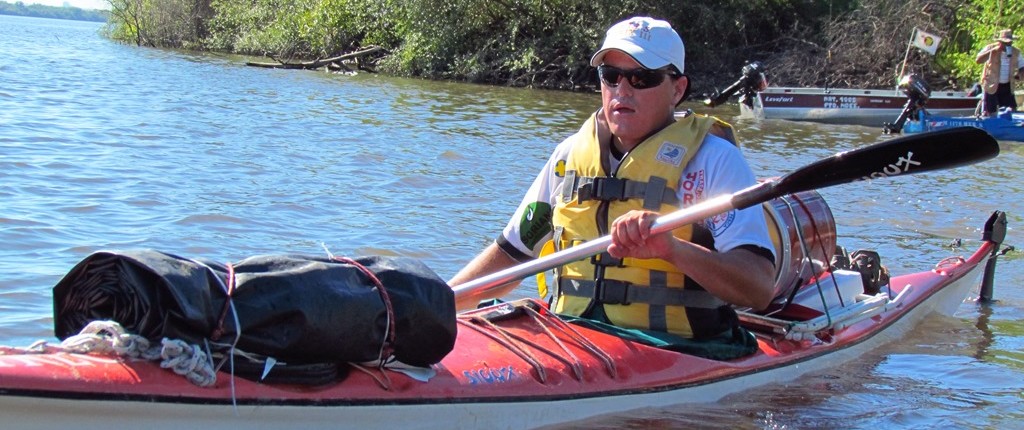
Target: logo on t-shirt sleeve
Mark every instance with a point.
(718, 223)
(535, 223)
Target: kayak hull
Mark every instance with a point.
(480, 384)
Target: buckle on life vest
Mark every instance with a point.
(612, 292)
(602, 188)
(605, 259)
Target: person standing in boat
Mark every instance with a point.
(1003, 67)
(631, 160)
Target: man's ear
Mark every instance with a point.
(682, 89)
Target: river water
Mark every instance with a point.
(111, 146)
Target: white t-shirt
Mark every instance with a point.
(718, 168)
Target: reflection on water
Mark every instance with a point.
(111, 146)
(1002, 340)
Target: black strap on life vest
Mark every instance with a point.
(655, 192)
(614, 292)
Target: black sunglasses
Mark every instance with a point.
(638, 78)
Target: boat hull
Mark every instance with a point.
(1006, 126)
(871, 107)
(482, 383)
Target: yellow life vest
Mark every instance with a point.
(636, 293)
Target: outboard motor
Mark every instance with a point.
(750, 82)
(917, 92)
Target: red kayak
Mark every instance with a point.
(515, 365)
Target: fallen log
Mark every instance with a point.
(316, 64)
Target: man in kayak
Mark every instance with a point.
(630, 161)
(1003, 67)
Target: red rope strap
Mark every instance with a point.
(219, 331)
(814, 227)
(388, 347)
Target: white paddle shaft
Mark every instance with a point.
(482, 288)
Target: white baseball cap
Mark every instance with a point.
(651, 42)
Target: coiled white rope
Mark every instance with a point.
(189, 361)
(108, 337)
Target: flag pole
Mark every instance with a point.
(905, 55)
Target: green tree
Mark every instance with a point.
(977, 23)
(548, 43)
(41, 11)
(163, 23)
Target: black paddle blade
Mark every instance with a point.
(917, 153)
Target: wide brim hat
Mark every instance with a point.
(1005, 36)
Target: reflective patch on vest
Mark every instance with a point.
(535, 223)
(670, 153)
(560, 168)
(718, 223)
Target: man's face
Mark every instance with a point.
(632, 113)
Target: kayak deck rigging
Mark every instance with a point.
(548, 323)
(867, 307)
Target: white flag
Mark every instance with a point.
(927, 42)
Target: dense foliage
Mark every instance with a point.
(547, 43)
(978, 21)
(40, 11)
